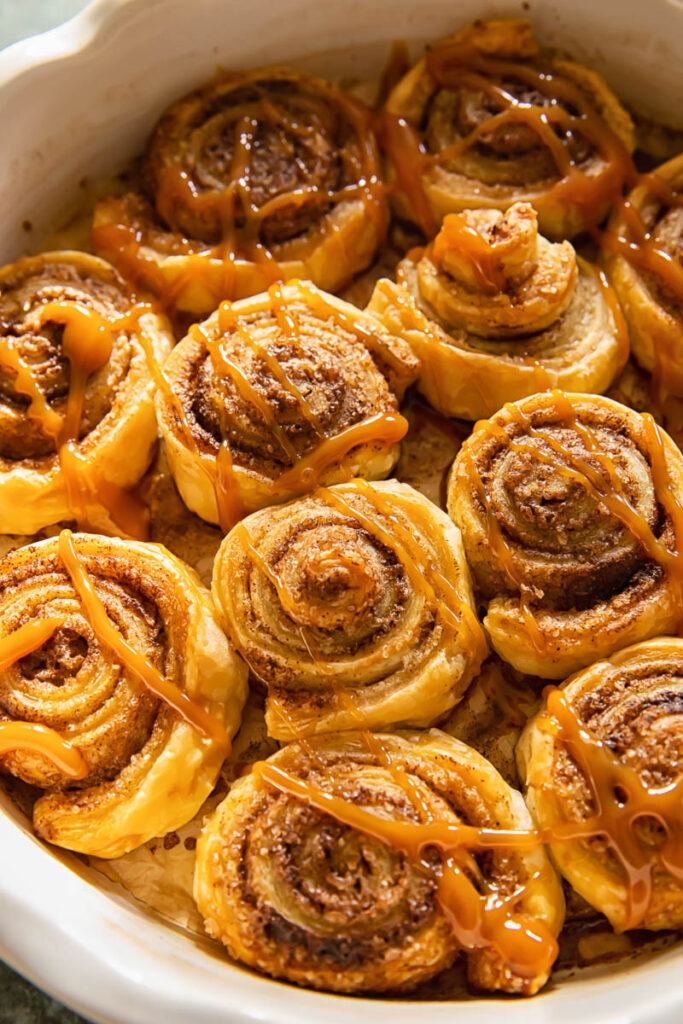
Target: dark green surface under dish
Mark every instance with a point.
(23, 1003)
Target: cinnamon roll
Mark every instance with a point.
(495, 312)
(309, 871)
(642, 251)
(132, 671)
(277, 393)
(353, 606)
(571, 513)
(258, 176)
(602, 768)
(77, 422)
(486, 119)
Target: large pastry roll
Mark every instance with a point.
(487, 119)
(353, 606)
(77, 423)
(571, 516)
(255, 177)
(602, 764)
(132, 671)
(642, 250)
(309, 869)
(495, 312)
(274, 394)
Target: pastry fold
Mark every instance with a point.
(257, 176)
(149, 770)
(642, 251)
(77, 422)
(487, 119)
(301, 895)
(601, 762)
(495, 312)
(353, 606)
(570, 512)
(277, 393)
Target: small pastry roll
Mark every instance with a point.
(309, 897)
(642, 251)
(602, 765)
(495, 312)
(353, 606)
(148, 769)
(571, 514)
(77, 421)
(486, 119)
(289, 388)
(258, 176)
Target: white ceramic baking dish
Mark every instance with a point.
(79, 101)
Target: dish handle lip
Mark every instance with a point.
(67, 39)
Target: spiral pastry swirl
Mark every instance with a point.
(148, 769)
(601, 762)
(77, 421)
(353, 605)
(287, 387)
(495, 312)
(257, 176)
(570, 511)
(302, 895)
(642, 252)
(486, 120)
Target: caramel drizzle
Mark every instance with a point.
(27, 639)
(105, 630)
(424, 574)
(453, 66)
(39, 739)
(29, 735)
(478, 921)
(456, 234)
(631, 239)
(307, 469)
(483, 921)
(621, 799)
(240, 217)
(604, 484)
(87, 343)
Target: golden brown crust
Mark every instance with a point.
(631, 704)
(282, 379)
(334, 909)
(566, 577)
(229, 170)
(149, 771)
(653, 311)
(117, 431)
(335, 602)
(495, 312)
(503, 163)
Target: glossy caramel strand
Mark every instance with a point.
(634, 241)
(39, 739)
(307, 469)
(87, 343)
(234, 205)
(134, 661)
(603, 483)
(569, 115)
(621, 799)
(479, 920)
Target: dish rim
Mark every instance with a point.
(51, 917)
